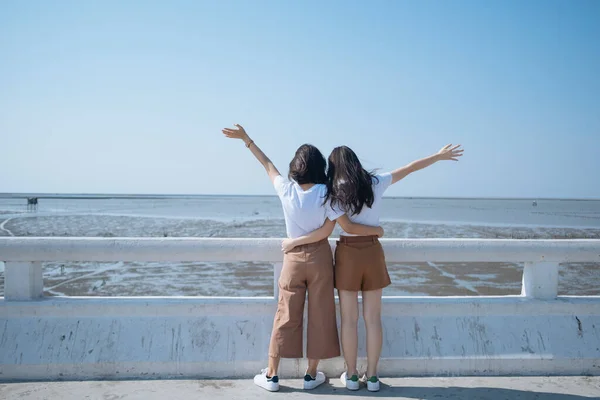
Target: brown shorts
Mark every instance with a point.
(360, 264)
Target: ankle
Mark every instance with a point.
(312, 366)
(370, 374)
(351, 372)
(271, 373)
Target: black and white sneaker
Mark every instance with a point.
(311, 382)
(269, 383)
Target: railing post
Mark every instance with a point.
(276, 274)
(23, 281)
(540, 280)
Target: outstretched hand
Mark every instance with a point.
(238, 133)
(450, 152)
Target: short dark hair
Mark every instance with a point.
(308, 165)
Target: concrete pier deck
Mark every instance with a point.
(469, 388)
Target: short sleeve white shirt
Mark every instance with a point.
(370, 215)
(303, 210)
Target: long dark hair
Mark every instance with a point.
(308, 165)
(349, 185)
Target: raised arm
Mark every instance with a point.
(240, 133)
(448, 152)
(325, 231)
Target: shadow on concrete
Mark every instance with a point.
(475, 393)
(440, 393)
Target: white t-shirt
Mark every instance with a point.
(303, 210)
(370, 216)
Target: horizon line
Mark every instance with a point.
(98, 196)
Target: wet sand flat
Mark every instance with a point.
(256, 279)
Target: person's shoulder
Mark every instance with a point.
(383, 175)
(321, 189)
(280, 179)
(282, 184)
(384, 179)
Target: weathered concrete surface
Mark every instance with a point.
(530, 388)
(162, 338)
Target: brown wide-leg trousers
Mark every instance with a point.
(306, 268)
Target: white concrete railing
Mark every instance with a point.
(73, 338)
(23, 276)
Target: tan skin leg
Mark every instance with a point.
(349, 331)
(273, 366)
(372, 316)
(312, 367)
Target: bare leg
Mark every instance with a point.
(349, 311)
(372, 316)
(312, 367)
(273, 366)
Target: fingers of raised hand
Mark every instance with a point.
(451, 152)
(457, 151)
(233, 133)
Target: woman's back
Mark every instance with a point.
(370, 215)
(303, 210)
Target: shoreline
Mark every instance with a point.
(255, 279)
(112, 224)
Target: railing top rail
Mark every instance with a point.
(15, 249)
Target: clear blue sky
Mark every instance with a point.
(130, 96)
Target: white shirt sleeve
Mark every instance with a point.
(333, 213)
(281, 184)
(383, 181)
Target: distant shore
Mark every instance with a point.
(150, 196)
(143, 226)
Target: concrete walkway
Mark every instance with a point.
(469, 388)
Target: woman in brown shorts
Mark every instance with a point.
(359, 260)
(307, 268)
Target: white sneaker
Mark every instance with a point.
(271, 384)
(350, 383)
(312, 382)
(372, 383)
